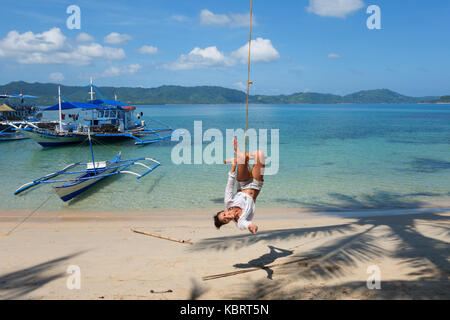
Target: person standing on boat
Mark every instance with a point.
(240, 206)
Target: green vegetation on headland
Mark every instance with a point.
(361, 97)
(443, 99)
(202, 95)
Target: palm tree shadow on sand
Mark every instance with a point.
(427, 257)
(353, 244)
(379, 200)
(18, 284)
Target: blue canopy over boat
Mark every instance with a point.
(73, 105)
(109, 102)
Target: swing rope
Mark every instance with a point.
(248, 75)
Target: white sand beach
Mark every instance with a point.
(319, 255)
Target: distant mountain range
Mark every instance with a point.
(47, 93)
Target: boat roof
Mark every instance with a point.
(108, 102)
(74, 105)
(86, 106)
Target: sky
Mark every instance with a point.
(297, 45)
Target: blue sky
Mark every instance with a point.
(302, 45)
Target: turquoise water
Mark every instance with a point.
(331, 157)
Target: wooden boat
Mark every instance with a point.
(9, 133)
(107, 120)
(94, 172)
(13, 115)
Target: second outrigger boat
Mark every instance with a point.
(14, 115)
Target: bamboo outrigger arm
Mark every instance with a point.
(45, 178)
(149, 169)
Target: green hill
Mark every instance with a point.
(47, 93)
(306, 97)
(379, 96)
(443, 99)
(368, 96)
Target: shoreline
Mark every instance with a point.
(280, 211)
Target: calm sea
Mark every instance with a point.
(331, 157)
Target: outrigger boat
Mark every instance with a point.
(68, 189)
(16, 115)
(107, 120)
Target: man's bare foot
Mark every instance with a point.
(230, 161)
(241, 158)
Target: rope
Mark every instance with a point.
(98, 92)
(97, 141)
(248, 74)
(29, 216)
(77, 92)
(78, 146)
(160, 122)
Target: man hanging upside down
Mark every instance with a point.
(240, 207)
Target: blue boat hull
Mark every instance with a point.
(54, 140)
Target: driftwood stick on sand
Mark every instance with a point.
(167, 291)
(229, 274)
(161, 237)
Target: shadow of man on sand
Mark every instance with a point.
(266, 259)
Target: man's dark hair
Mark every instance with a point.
(217, 222)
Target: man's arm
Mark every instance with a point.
(247, 225)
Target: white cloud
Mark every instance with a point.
(179, 18)
(96, 50)
(334, 56)
(242, 20)
(262, 50)
(84, 37)
(47, 41)
(52, 47)
(334, 8)
(116, 38)
(56, 76)
(233, 20)
(148, 50)
(207, 17)
(200, 58)
(118, 71)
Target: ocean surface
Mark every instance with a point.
(332, 157)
